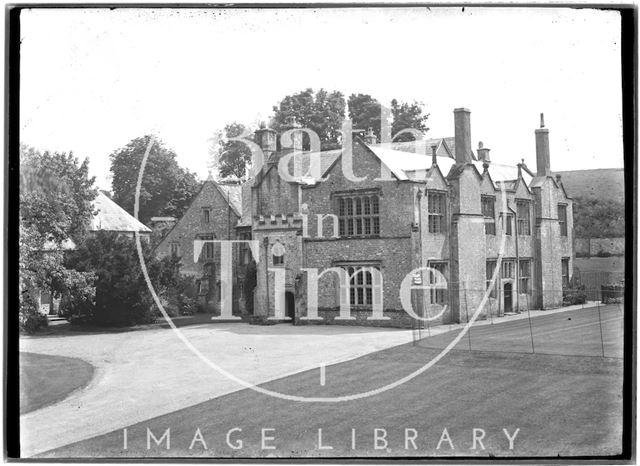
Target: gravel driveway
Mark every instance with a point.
(143, 374)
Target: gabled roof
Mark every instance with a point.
(444, 146)
(111, 217)
(232, 193)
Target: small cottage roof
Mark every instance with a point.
(111, 217)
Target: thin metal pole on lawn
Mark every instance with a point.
(600, 322)
(533, 348)
(490, 313)
(466, 310)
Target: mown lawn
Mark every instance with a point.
(563, 405)
(45, 379)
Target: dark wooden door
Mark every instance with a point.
(290, 304)
(508, 297)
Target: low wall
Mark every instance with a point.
(398, 319)
(589, 247)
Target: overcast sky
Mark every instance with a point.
(92, 80)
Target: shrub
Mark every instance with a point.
(78, 297)
(121, 294)
(181, 297)
(30, 319)
(574, 294)
(613, 293)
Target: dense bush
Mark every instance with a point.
(180, 297)
(613, 293)
(574, 294)
(29, 318)
(122, 297)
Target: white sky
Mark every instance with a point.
(91, 80)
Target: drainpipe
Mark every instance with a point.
(517, 287)
(420, 259)
(266, 264)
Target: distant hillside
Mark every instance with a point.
(598, 211)
(603, 183)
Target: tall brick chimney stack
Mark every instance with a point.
(462, 121)
(543, 165)
(266, 139)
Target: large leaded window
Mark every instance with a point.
(524, 274)
(438, 294)
(489, 214)
(359, 215)
(436, 211)
(562, 219)
(523, 211)
(363, 284)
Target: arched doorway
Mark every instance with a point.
(508, 297)
(289, 304)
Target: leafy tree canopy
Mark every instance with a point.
(407, 116)
(232, 157)
(56, 195)
(166, 188)
(320, 111)
(365, 112)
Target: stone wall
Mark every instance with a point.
(588, 247)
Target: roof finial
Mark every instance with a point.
(542, 120)
(210, 176)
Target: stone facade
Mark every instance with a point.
(213, 215)
(440, 227)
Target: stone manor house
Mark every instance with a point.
(492, 235)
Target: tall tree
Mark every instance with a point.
(166, 187)
(232, 157)
(365, 113)
(320, 111)
(56, 195)
(407, 116)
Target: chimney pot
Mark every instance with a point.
(462, 121)
(483, 153)
(434, 156)
(266, 139)
(370, 136)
